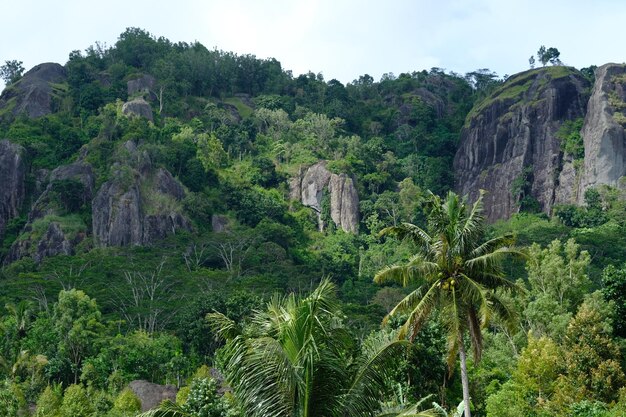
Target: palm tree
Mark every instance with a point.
(458, 273)
(295, 359)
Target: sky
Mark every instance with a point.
(342, 39)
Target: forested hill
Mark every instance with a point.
(147, 184)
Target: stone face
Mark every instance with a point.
(310, 186)
(512, 137)
(151, 395)
(138, 107)
(603, 130)
(12, 176)
(33, 93)
(135, 206)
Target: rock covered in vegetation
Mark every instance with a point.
(12, 174)
(138, 205)
(33, 95)
(138, 107)
(603, 130)
(49, 230)
(144, 84)
(151, 395)
(311, 184)
(509, 146)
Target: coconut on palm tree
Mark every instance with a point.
(458, 272)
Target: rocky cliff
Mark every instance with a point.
(603, 130)
(53, 227)
(509, 145)
(316, 183)
(138, 205)
(12, 176)
(36, 93)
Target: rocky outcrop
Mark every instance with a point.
(142, 85)
(310, 186)
(138, 107)
(151, 395)
(603, 131)
(12, 176)
(138, 205)
(46, 233)
(509, 142)
(34, 94)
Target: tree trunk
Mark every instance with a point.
(464, 380)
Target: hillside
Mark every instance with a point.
(148, 184)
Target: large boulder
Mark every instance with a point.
(603, 130)
(34, 94)
(12, 175)
(312, 184)
(138, 107)
(151, 395)
(142, 85)
(509, 146)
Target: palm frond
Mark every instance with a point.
(419, 312)
(408, 231)
(224, 327)
(166, 409)
(374, 370)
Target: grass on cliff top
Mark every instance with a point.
(516, 85)
(244, 110)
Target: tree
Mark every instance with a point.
(458, 273)
(531, 61)
(78, 322)
(550, 55)
(295, 359)
(11, 71)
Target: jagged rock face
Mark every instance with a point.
(129, 210)
(152, 395)
(33, 93)
(603, 130)
(138, 107)
(309, 187)
(53, 241)
(344, 203)
(12, 176)
(511, 136)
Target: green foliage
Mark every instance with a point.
(127, 403)
(9, 403)
(49, 402)
(11, 71)
(614, 290)
(203, 399)
(570, 138)
(76, 402)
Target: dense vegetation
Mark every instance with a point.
(75, 330)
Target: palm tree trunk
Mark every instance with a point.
(464, 379)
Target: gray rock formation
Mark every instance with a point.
(12, 176)
(34, 93)
(310, 186)
(53, 241)
(603, 130)
(137, 206)
(151, 395)
(220, 223)
(138, 107)
(144, 84)
(510, 138)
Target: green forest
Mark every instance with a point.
(251, 302)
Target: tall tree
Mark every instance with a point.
(458, 272)
(11, 71)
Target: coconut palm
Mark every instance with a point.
(458, 273)
(295, 359)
